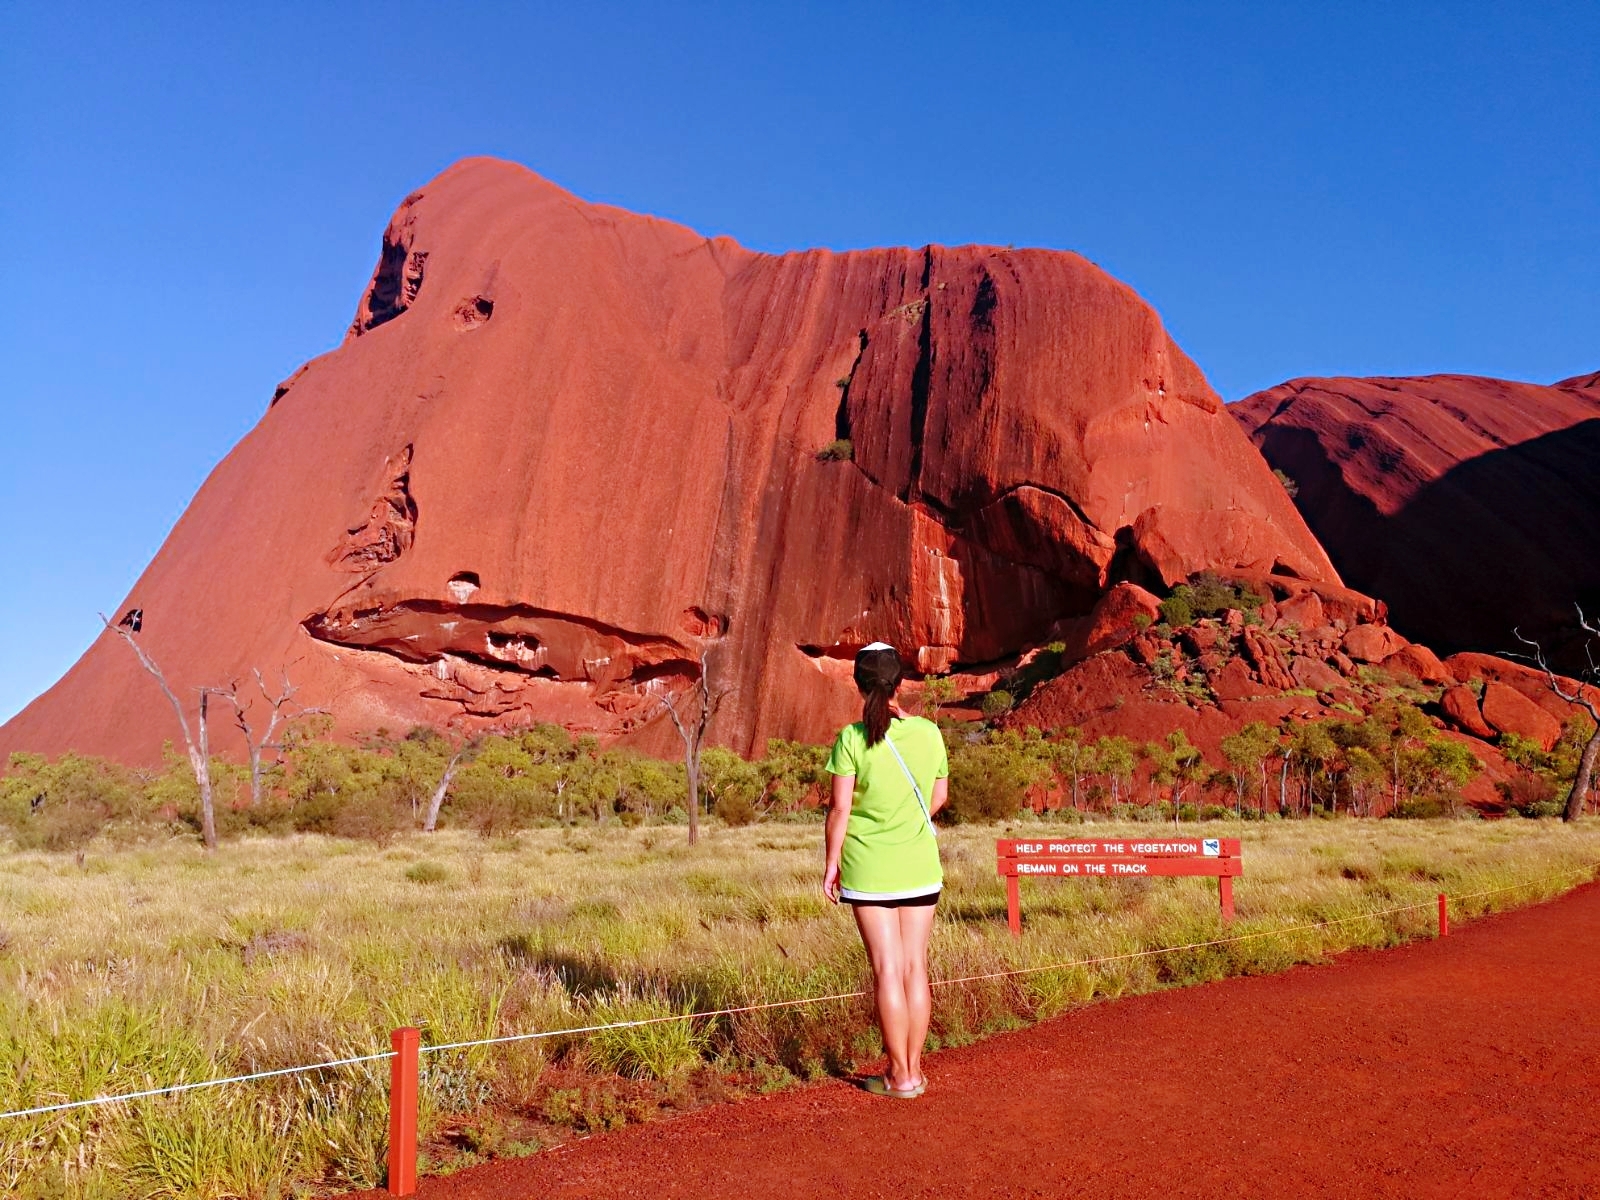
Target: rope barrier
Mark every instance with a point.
(776, 1004)
(190, 1087)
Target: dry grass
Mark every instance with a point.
(140, 967)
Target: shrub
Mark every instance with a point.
(1287, 480)
(986, 784)
(996, 704)
(1176, 611)
(1421, 808)
(842, 450)
(427, 872)
(736, 808)
(1530, 795)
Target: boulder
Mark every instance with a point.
(1528, 680)
(1460, 704)
(1266, 661)
(1120, 615)
(1201, 637)
(567, 458)
(1146, 648)
(1420, 663)
(1303, 610)
(1372, 643)
(1233, 681)
(1318, 676)
(1508, 711)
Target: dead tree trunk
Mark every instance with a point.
(276, 706)
(435, 804)
(692, 728)
(198, 747)
(1585, 776)
(1583, 694)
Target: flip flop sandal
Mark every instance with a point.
(879, 1086)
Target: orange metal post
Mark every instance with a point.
(1225, 889)
(1444, 915)
(1013, 906)
(403, 1112)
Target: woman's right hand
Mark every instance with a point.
(830, 882)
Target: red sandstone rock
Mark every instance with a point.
(1234, 682)
(1420, 663)
(1109, 694)
(1303, 610)
(1468, 504)
(1528, 680)
(1460, 704)
(1509, 711)
(567, 453)
(1319, 677)
(1268, 664)
(1114, 622)
(1372, 643)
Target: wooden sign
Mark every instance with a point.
(1127, 858)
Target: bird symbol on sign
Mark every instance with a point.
(133, 619)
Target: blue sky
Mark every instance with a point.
(193, 195)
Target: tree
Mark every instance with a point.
(1178, 764)
(277, 714)
(937, 691)
(1581, 692)
(196, 742)
(1246, 752)
(699, 704)
(1115, 756)
(1312, 748)
(461, 753)
(1074, 759)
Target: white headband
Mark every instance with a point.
(877, 646)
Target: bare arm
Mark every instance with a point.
(941, 795)
(844, 790)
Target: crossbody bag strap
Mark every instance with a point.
(916, 790)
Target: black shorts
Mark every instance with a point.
(927, 901)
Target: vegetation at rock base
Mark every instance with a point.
(274, 952)
(1206, 596)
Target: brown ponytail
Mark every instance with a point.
(878, 674)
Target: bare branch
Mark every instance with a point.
(1580, 695)
(199, 751)
(1577, 796)
(155, 672)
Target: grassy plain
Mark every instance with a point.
(125, 969)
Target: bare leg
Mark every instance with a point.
(880, 932)
(916, 927)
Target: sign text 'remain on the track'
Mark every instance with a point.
(1125, 858)
(1208, 847)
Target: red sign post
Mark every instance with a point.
(1124, 858)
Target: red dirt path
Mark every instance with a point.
(1468, 1066)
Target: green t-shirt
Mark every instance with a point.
(890, 853)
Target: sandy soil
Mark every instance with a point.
(1468, 1066)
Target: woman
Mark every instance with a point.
(889, 778)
